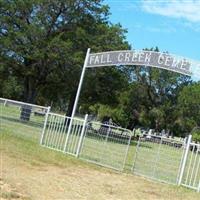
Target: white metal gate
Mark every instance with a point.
(191, 175)
(63, 133)
(106, 145)
(158, 158)
(103, 144)
(168, 160)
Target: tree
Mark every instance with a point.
(43, 44)
(189, 107)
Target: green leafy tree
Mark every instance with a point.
(43, 44)
(189, 107)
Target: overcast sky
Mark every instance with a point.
(172, 25)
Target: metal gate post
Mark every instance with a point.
(198, 189)
(45, 124)
(81, 137)
(126, 155)
(68, 133)
(183, 164)
(136, 152)
(157, 158)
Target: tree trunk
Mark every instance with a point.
(29, 97)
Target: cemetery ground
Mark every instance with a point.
(29, 171)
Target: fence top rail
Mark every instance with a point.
(64, 116)
(110, 126)
(163, 138)
(195, 144)
(22, 103)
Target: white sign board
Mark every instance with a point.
(141, 58)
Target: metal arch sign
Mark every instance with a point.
(137, 57)
(141, 58)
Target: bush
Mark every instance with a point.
(196, 134)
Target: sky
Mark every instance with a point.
(171, 25)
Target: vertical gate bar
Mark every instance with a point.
(108, 140)
(61, 133)
(126, 154)
(73, 136)
(1, 113)
(64, 131)
(104, 137)
(45, 124)
(68, 133)
(58, 132)
(198, 189)
(190, 165)
(198, 165)
(136, 152)
(5, 102)
(81, 136)
(180, 164)
(83, 140)
(193, 168)
(183, 165)
(56, 119)
(78, 135)
(157, 158)
(50, 129)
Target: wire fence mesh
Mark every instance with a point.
(21, 118)
(105, 145)
(159, 158)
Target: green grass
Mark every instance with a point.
(159, 162)
(164, 166)
(10, 121)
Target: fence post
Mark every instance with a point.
(136, 152)
(81, 137)
(68, 133)
(183, 164)
(126, 155)
(5, 102)
(45, 124)
(198, 189)
(157, 158)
